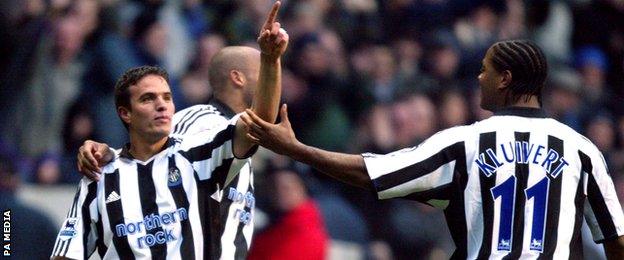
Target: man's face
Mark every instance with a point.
(489, 81)
(151, 107)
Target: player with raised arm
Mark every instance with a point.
(234, 76)
(514, 186)
(152, 200)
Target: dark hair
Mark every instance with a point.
(527, 64)
(131, 77)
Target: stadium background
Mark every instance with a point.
(359, 75)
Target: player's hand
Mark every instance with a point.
(273, 39)
(91, 157)
(279, 138)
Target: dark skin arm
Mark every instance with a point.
(280, 138)
(614, 249)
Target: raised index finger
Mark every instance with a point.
(272, 15)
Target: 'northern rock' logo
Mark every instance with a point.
(244, 215)
(150, 222)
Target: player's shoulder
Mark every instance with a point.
(196, 119)
(568, 134)
(195, 111)
(115, 164)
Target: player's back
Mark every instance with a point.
(528, 179)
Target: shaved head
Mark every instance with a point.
(240, 58)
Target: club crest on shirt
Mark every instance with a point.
(69, 229)
(174, 177)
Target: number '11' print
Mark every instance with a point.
(507, 192)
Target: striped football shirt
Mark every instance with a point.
(159, 208)
(514, 186)
(234, 219)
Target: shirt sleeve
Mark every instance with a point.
(603, 211)
(78, 234)
(211, 152)
(423, 173)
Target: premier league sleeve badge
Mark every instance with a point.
(69, 229)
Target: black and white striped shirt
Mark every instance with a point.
(233, 216)
(159, 208)
(516, 185)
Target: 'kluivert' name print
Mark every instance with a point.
(521, 153)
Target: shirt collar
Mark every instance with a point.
(223, 108)
(125, 151)
(521, 111)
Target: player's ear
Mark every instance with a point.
(505, 79)
(238, 78)
(124, 114)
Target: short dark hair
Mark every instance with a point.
(527, 64)
(131, 77)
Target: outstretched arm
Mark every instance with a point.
(614, 249)
(273, 41)
(280, 138)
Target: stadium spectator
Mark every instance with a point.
(299, 232)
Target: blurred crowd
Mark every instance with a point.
(359, 75)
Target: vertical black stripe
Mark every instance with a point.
(239, 241)
(217, 221)
(187, 249)
(455, 213)
(209, 210)
(147, 193)
(554, 202)
(115, 216)
(203, 200)
(86, 216)
(576, 242)
(522, 177)
(102, 248)
(487, 141)
(214, 225)
(73, 210)
(596, 201)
